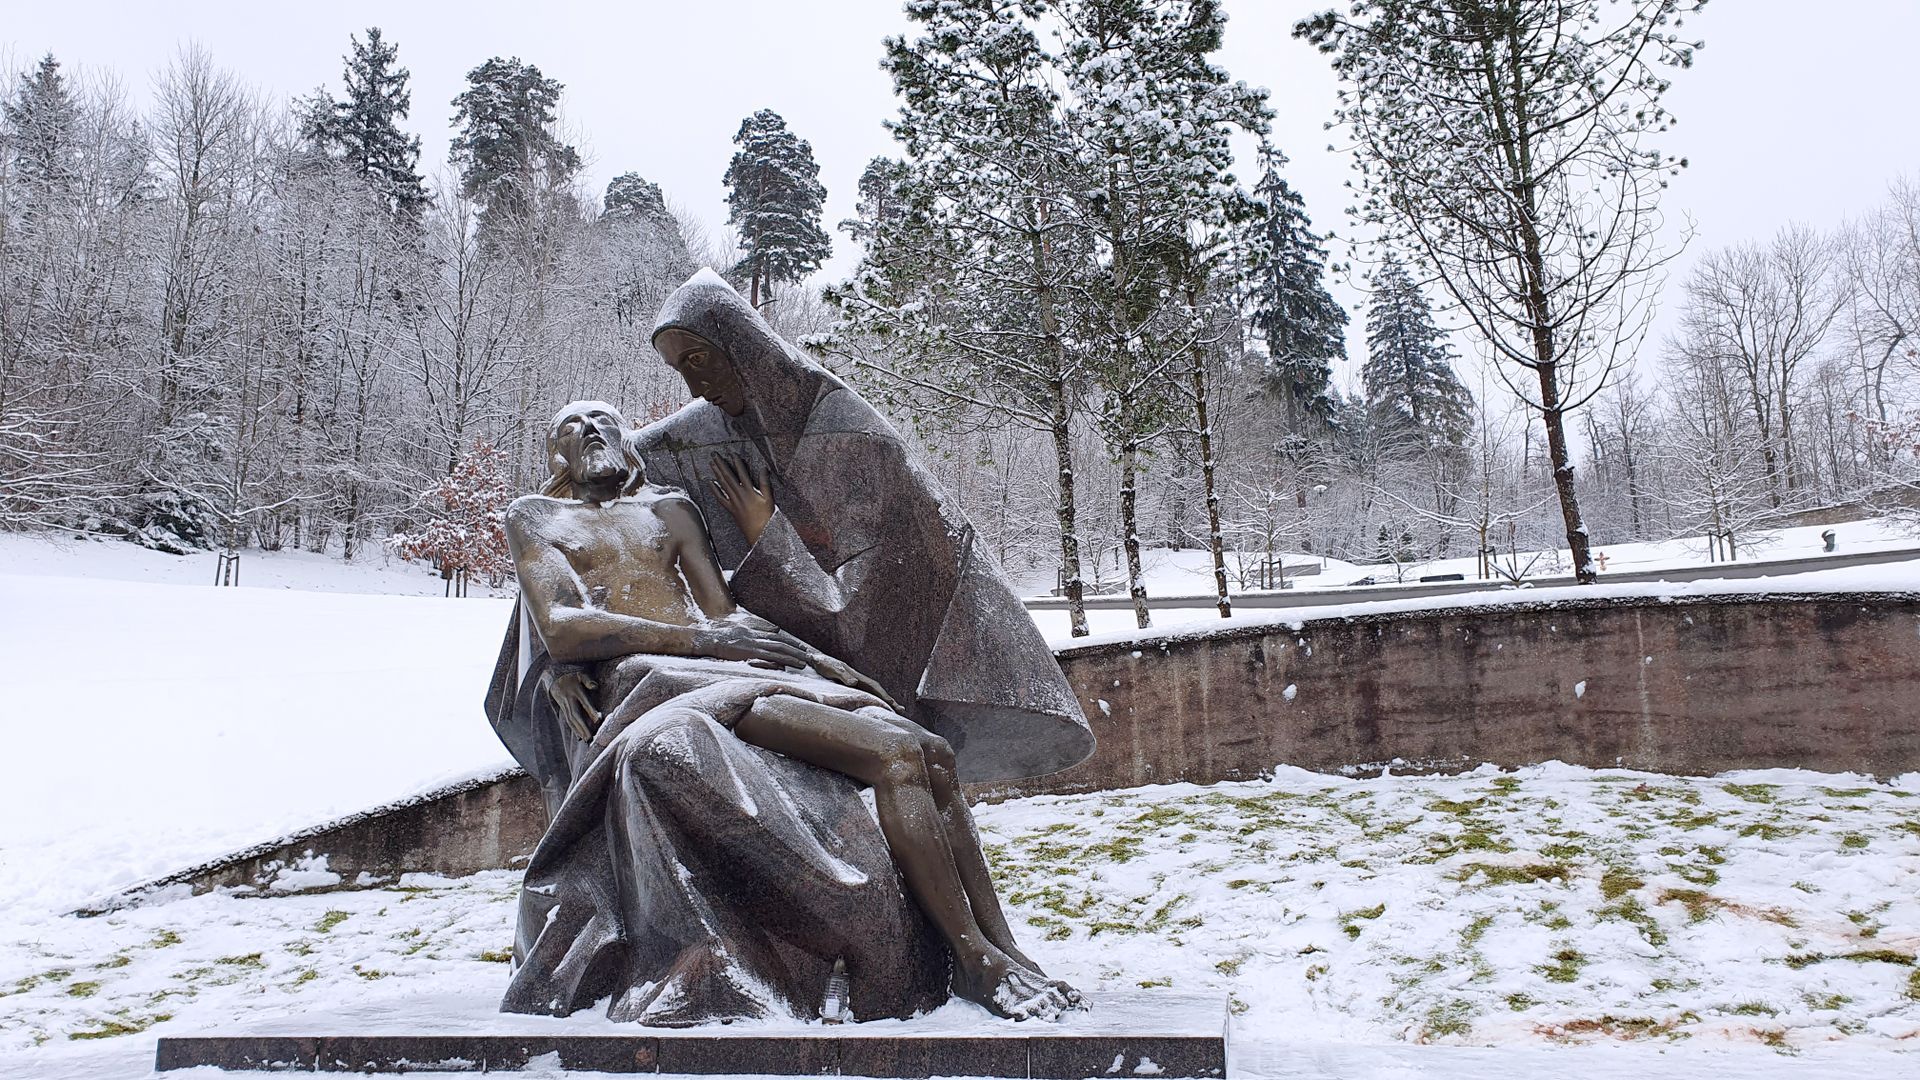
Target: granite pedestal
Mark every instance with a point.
(1141, 1034)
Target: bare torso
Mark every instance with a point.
(624, 555)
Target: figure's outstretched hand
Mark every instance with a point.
(568, 687)
(730, 641)
(744, 491)
(846, 675)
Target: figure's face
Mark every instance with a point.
(708, 372)
(587, 447)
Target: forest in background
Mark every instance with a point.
(228, 322)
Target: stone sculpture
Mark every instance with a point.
(709, 856)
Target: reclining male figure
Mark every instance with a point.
(617, 571)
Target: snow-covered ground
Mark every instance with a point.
(1734, 926)
(1599, 924)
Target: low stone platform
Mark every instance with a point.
(1161, 1035)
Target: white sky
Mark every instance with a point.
(1792, 112)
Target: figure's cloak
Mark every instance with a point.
(865, 557)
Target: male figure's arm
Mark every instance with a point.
(702, 573)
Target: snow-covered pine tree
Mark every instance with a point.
(646, 246)
(1303, 326)
(508, 148)
(1153, 117)
(1409, 375)
(774, 198)
(964, 305)
(363, 129)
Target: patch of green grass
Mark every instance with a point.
(1825, 1002)
(83, 989)
(1848, 793)
(1148, 984)
(1514, 875)
(164, 939)
(122, 1023)
(1562, 852)
(251, 960)
(1700, 904)
(1230, 966)
(120, 961)
(1449, 806)
(1565, 967)
(1618, 881)
(306, 975)
(1752, 1008)
(1448, 1018)
(1754, 793)
(1854, 841)
(1913, 985)
(1693, 819)
(1520, 1002)
(1863, 956)
(1350, 921)
(369, 974)
(330, 920)
(33, 981)
(1629, 909)
(1475, 930)
(1767, 830)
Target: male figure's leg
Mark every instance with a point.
(893, 760)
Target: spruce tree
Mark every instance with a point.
(774, 198)
(632, 198)
(40, 116)
(1409, 370)
(1304, 328)
(364, 128)
(507, 149)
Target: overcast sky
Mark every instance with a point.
(1794, 111)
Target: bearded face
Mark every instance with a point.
(587, 446)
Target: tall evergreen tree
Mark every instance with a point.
(774, 198)
(632, 198)
(1303, 326)
(1409, 370)
(364, 128)
(40, 118)
(507, 148)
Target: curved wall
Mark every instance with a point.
(1697, 685)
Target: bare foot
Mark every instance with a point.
(1012, 989)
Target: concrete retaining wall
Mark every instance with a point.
(1692, 686)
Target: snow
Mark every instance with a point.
(157, 725)
(1557, 921)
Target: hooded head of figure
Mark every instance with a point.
(728, 355)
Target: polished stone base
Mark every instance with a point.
(1161, 1035)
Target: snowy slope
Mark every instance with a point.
(1554, 922)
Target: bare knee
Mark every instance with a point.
(900, 762)
(938, 754)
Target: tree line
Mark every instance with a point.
(227, 323)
